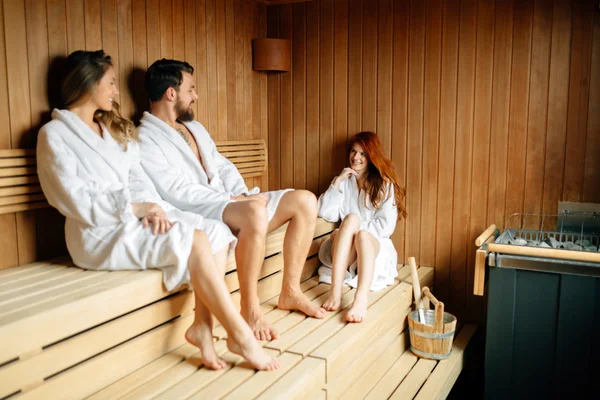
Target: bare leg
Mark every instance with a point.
(300, 209)
(210, 289)
(200, 333)
(342, 256)
(367, 248)
(248, 221)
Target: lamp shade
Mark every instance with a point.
(271, 54)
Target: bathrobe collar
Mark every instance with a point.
(106, 146)
(158, 125)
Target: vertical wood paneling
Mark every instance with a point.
(299, 94)
(214, 38)
(355, 26)
(591, 188)
(340, 84)
(414, 155)
(93, 24)
(400, 108)
(286, 107)
(313, 158)
(481, 138)
(384, 75)
(369, 66)
(503, 37)
(581, 45)
(274, 102)
(326, 171)
(431, 120)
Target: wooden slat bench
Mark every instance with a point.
(20, 188)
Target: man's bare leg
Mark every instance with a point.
(299, 207)
(343, 255)
(367, 248)
(210, 289)
(248, 221)
(200, 333)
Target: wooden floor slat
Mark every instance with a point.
(13, 281)
(260, 381)
(146, 375)
(300, 382)
(446, 372)
(414, 380)
(393, 377)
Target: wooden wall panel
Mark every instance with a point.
(487, 108)
(213, 35)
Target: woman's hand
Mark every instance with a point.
(345, 174)
(152, 213)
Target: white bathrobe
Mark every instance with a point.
(335, 205)
(180, 178)
(92, 181)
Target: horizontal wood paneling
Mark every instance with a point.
(212, 35)
(487, 108)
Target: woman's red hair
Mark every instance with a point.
(380, 173)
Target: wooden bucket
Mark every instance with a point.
(433, 337)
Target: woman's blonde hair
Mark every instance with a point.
(83, 71)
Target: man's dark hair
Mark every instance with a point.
(164, 74)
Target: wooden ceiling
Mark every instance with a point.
(274, 2)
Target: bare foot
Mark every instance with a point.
(358, 311)
(259, 325)
(334, 301)
(201, 337)
(296, 300)
(251, 351)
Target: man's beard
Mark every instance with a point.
(184, 114)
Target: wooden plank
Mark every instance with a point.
(115, 363)
(57, 29)
(336, 350)
(148, 374)
(17, 171)
(153, 34)
(21, 180)
(354, 379)
(200, 60)
(299, 95)
(22, 269)
(463, 161)
(261, 380)
(313, 158)
(243, 68)
(5, 140)
(11, 191)
(305, 378)
(355, 54)
(229, 69)
(445, 374)
(179, 38)
(519, 99)
(273, 104)
(75, 25)
(26, 198)
(400, 109)
(94, 341)
(16, 289)
(110, 34)
(384, 74)
(221, 78)
(16, 162)
(413, 381)
(166, 29)
(179, 372)
(340, 85)
(125, 35)
(326, 79)
(129, 290)
(391, 380)
(501, 81)
(212, 65)
(591, 192)
(581, 54)
(22, 207)
(93, 25)
(361, 387)
(484, 59)
(415, 127)
(286, 107)
(11, 280)
(37, 55)
(369, 66)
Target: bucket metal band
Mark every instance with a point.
(431, 335)
(430, 355)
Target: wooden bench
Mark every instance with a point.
(20, 188)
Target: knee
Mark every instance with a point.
(257, 218)
(200, 243)
(307, 203)
(352, 221)
(363, 238)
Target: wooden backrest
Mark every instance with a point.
(20, 189)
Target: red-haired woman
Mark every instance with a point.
(368, 198)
